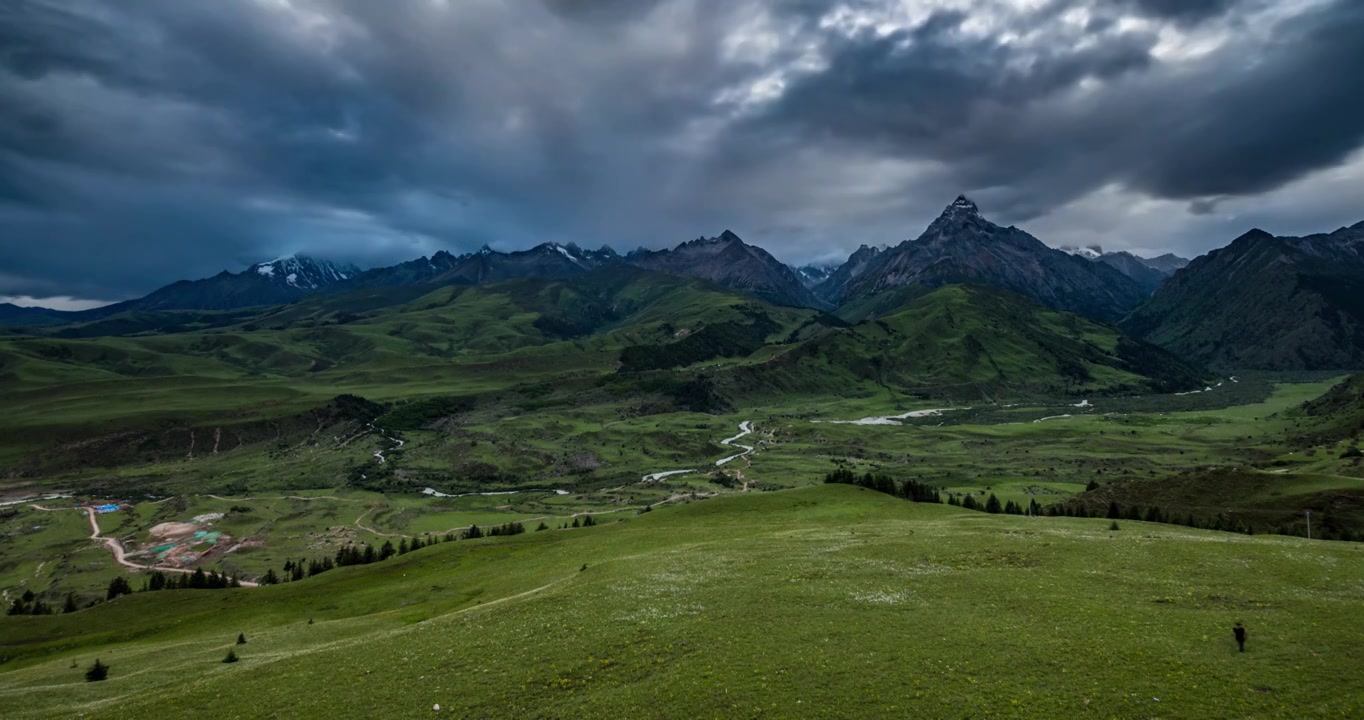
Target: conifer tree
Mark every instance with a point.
(1113, 511)
(70, 605)
(992, 505)
(97, 672)
(387, 551)
(241, 638)
(231, 656)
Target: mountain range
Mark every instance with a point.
(1149, 273)
(1265, 302)
(1262, 302)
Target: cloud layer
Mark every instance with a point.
(151, 141)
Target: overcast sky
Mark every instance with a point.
(147, 141)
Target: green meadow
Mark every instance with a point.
(828, 601)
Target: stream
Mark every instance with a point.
(745, 428)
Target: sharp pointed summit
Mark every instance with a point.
(962, 205)
(960, 246)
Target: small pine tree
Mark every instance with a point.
(992, 505)
(97, 672)
(1114, 512)
(70, 605)
(1114, 525)
(241, 638)
(542, 527)
(231, 656)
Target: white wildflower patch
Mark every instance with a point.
(882, 597)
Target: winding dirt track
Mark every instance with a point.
(120, 555)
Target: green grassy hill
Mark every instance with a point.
(970, 342)
(825, 602)
(1336, 416)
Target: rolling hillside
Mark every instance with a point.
(827, 601)
(972, 341)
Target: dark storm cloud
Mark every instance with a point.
(148, 141)
(1182, 10)
(1015, 122)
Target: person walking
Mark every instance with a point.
(1240, 632)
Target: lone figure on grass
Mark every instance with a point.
(1240, 632)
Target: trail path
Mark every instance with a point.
(369, 529)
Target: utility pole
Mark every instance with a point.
(1309, 524)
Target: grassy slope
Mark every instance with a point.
(451, 341)
(1310, 431)
(828, 601)
(968, 342)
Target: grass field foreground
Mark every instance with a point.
(827, 601)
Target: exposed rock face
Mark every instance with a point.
(812, 275)
(963, 247)
(730, 263)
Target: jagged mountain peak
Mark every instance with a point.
(962, 205)
(729, 262)
(303, 272)
(961, 246)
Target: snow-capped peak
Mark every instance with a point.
(1089, 252)
(963, 203)
(303, 272)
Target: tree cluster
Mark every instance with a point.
(197, 580)
(911, 490)
(29, 604)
